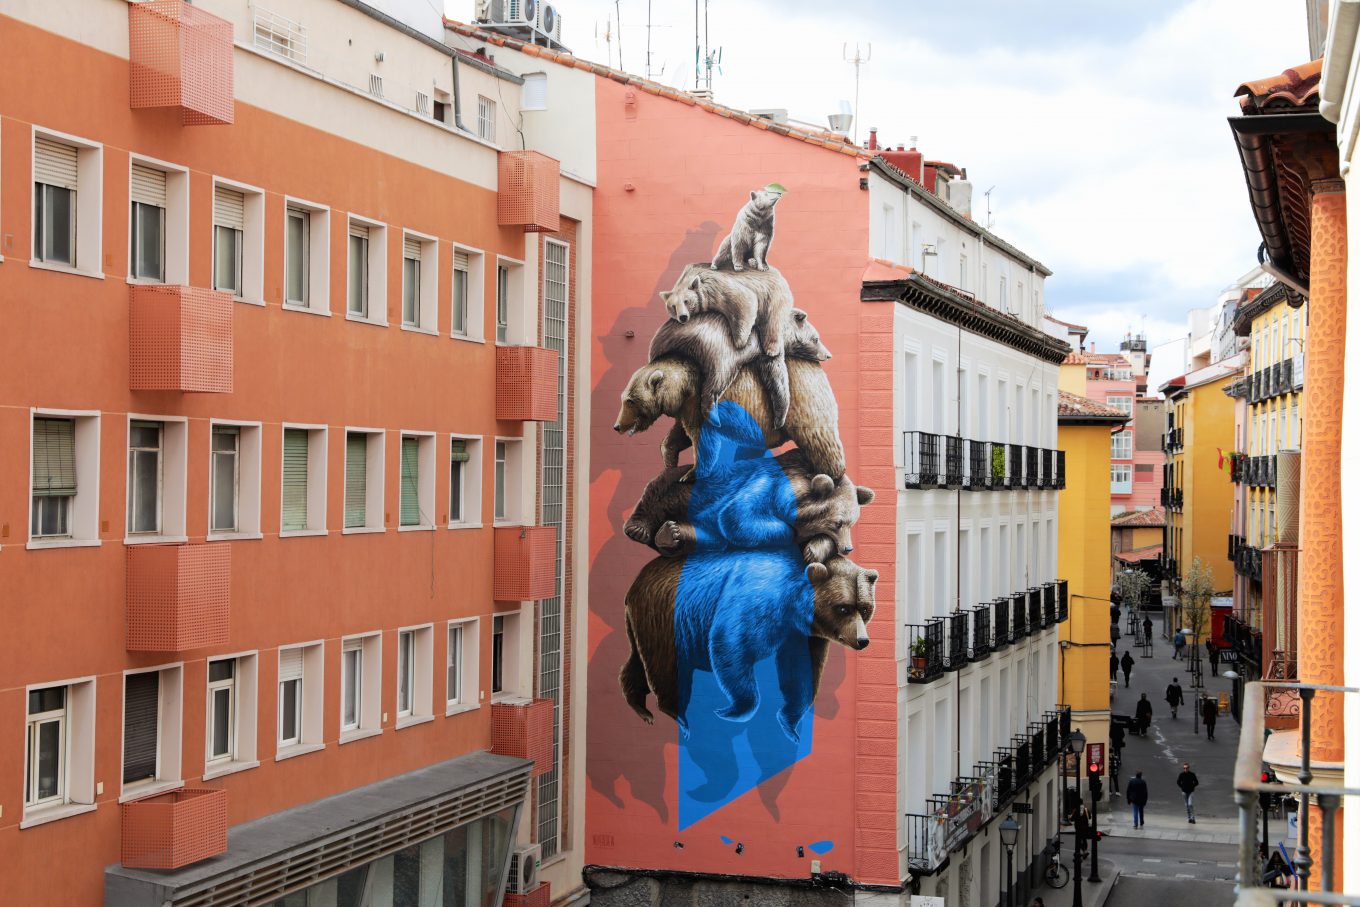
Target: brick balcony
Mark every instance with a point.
(174, 829)
(524, 568)
(526, 383)
(530, 191)
(181, 57)
(178, 597)
(524, 728)
(180, 339)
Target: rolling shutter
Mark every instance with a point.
(410, 482)
(359, 230)
(356, 481)
(295, 478)
(229, 208)
(148, 186)
(54, 163)
(54, 457)
(141, 720)
(411, 248)
(460, 260)
(290, 664)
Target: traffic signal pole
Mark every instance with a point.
(1093, 781)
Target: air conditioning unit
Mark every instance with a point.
(524, 863)
(550, 21)
(508, 12)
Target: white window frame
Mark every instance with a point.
(310, 715)
(515, 493)
(472, 475)
(476, 293)
(486, 119)
(427, 300)
(1121, 402)
(244, 720)
(317, 461)
(516, 309)
(534, 91)
(369, 687)
(176, 220)
(516, 655)
(83, 520)
(78, 755)
(373, 485)
(169, 734)
(1117, 450)
(252, 239)
(419, 674)
(377, 272)
(174, 480)
(248, 481)
(89, 206)
(318, 273)
(425, 479)
(468, 671)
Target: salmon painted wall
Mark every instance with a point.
(672, 178)
(67, 347)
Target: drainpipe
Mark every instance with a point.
(457, 95)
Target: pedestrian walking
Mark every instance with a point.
(1114, 632)
(1179, 642)
(1187, 781)
(1116, 736)
(1114, 613)
(1147, 629)
(1081, 825)
(1127, 664)
(1142, 714)
(1175, 697)
(1137, 795)
(1213, 655)
(1208, 710)
(1114, 664)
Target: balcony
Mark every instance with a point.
(953, 461)
(1237, 468)
(526, 384)
(1062, 468)
(982, 633)
(956, 635)
(529, 192)
(979, 465)
(1034, 597)
(525, 563)
(1050, 604)
(926, 644)
(540, 896)
(1003, 786)
(1233, 542)
(950, 821)
(1247, 562)
(1001, 623)
(178, 597)
(921, 459)
(1173, 440)
(523, 728)
(1015, 465)
(1062, 600)
(1019, 616)
(180, 338)
(1244, 639)
(1033, 479)
(173, 829)
(181, 57)
(1260, 472)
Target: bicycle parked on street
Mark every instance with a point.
(1056, 875)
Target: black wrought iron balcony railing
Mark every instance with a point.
(1037, 750)
(979, 464)
(1019, 617)
(982, 633)
(1050, 603)
(921, 459)
(953, 461)
(956, 638)
(1233, 542)
(1015, 465)
(1003, 785)
(1032, 479)
(1062, 468)
(1023, 769)
(1237, 464)
(1062, 600)
(1247, 561)
(1244, 639)
(1001, 623)
(926, 644)
(1035, 604)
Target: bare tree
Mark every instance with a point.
(1197, 588)
(1131, 586)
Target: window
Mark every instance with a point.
(46, 769)
(498, 653)
(366, 288)
(148, 201)
(1121, 478)
(54, 477)
(67, 203)
(229, 225)
(415, 675)
(486, 118)
(221, 710)
(300, 699)
(506, 476)
(304, 480)
(505, 655)
(466, 317)
(363, 480)
(465, 481)
(1123, 404)
(226, 477)
(231, 714)
(296, 268)
(152, 714)
(443, 106)
(417, 481)
(460, 667)
(535, 91)
(1121, 445)
(59, 750)
(144, 477)
(306, 257)
(502, 303)
(360, 687)
(420, 283)
(280, 36)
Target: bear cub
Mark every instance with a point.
(758, 303)
(749, 241)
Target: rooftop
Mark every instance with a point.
(1295, 87)
(1133, 519)
(1077, 328)
(1136, 555)
(1088, 357)
(1075, 409)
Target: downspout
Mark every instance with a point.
(958, 549)
(457, 94)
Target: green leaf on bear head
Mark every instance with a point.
(776, 187)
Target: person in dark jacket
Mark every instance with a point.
(1114, 664)
(1187, 781)
(1081, 826)
(1142, 714)
(1208, 711)
(1127, 664)
(1137, 795)
(1175, 696)
(1213, 655)
(1147, 629)
(1116, 736)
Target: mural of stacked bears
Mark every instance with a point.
(730, 626)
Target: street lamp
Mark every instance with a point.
(1076, 746)
(1010, 833)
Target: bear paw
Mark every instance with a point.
(638, 532)
(737, 711)
(687, 477)
(670, 538)
(737, 267)
(789, 726)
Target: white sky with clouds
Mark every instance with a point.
(1101, 123)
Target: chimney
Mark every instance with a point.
(873, 138)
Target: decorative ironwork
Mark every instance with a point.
(921, 459)
(926, 645)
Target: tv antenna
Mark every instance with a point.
(858, 59)
(988, 195)
(618, 20)
(706, 59)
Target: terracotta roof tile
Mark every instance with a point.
(1132, 519)
(1086, 357)
(1067, 324)
(1140, 554)
(1076, 406)
(1295, 87)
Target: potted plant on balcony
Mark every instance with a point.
(998, 463)
(918, 657)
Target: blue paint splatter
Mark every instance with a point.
(820, 847)
(725, 839)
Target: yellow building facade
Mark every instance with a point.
(1084, 428)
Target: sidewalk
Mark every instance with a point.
(1206, 830)
(1093, 894)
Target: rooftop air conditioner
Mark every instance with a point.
(550, 22)
(524, 863)
(514, 12)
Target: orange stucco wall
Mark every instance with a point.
(66, 346)
(671, 179)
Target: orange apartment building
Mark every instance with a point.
(289, 530)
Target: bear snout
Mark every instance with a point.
(682, 317)
(861, 633)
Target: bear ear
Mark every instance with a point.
(753, 194)
(655, 378)
(799, 316)
(665, 295)
(864, 494)
(871, 575)
(822, 485)
(817, 573)
(694, 282)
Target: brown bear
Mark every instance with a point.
(752, 302)
(703, 339)
(669, 386)
(827, 510)
(752, 233)
(741, 607)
